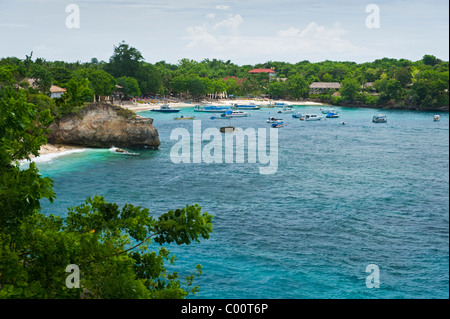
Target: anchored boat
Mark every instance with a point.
(379, 119)
(165, 108)
(211, 109)
(312, 117)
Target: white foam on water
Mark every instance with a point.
(49, 157)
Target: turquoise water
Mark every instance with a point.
(344, 197)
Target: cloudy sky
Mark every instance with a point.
(245, 31)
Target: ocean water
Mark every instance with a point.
(344, 197)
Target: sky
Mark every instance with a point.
(245, 31)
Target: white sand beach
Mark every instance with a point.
(138, 106)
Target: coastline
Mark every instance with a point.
(221, 102)
(49, 151)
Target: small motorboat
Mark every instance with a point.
(286, 110)
(277, 124)
(211, 108)
(165, 108)
(182, 117)
(228, 129)
(273, 120)
(250, 106)
(436, 118)
(312, 117)
(332, 115)
(327, 111)
(379, 119)
(297, 115)
(234, 114)
(122, 151)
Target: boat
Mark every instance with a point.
(235, 114)
(327, 111)
(165, 108)
(286, 110)
(250, 106)
(273, 120)
(277, 124)
(228, 129)
(211, 109)
(297, 115)
(436, 118)
(218, 118)
(332, 115)
(182, 117)
(122, 151)
(312, 117)
(379, 119)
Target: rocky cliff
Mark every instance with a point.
(104, 125)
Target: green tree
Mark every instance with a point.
(125, 61)
(130, 86)
(149, 79)
(350, 88)
(102, 82)
(117, 249)
(277, 89)
(297, 87)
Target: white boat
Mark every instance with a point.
(327, 111)
(235, 114)
(273, 120)
(211, 108)
(165, 108)
(250, 106)
(436, 118)
(312, 117)
(379, 119)
(122, 151)
(286, 110)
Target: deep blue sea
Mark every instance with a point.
(344, 197)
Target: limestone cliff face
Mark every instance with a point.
(104, 125)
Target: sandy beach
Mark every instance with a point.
(135, 106)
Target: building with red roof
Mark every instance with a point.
(256, 71)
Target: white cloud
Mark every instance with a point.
(223, 7)
(232, 23)
(313, 40)
(210, 16)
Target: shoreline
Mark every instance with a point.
(221, 102)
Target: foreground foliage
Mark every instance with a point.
(118, 251)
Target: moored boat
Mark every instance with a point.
(312, 117)
(286, 110)
(380, 118)
(211, 108)
(277, 124)
(228, 129)
(234, 114)
(246, 106)
(297, 115)
(122, 151)
(273, 120)
(333, 115)
(165, 108)
(182, 117)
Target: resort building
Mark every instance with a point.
(56, 92)
(271, 71)
(321, 87)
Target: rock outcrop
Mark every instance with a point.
(104, 125)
